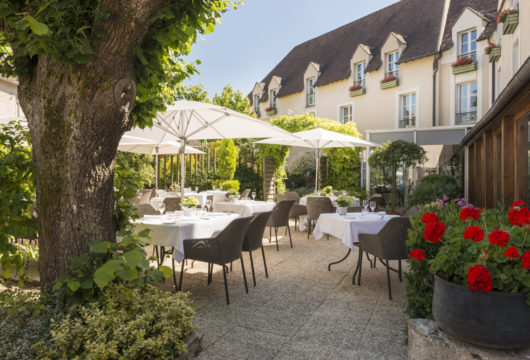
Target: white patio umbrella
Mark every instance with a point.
(191, 120)
(318, 139)
(140, 145)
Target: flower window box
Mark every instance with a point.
(494, 52)
(271, 110)
(389, 82)
(509, 19)
(356, 90)
(463, 65)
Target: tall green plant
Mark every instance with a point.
(395, 155)
(227, 159)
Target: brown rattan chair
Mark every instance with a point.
(379, 201)
(317, 205)
(244, 194)
(388, 244)
(221, 250)
(254, 239)
(172, 203)
(280, 218)
(412, 211)
(297, 210)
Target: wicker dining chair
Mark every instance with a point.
(317, 205)
(379, 201)
(254, 239)
(280, 218)
(412, 211)
(172, 203)
(297, 210)
(220, 250)
(244, 194)
(388, 244)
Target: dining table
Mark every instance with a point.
(302, 223)
(171, 231)
(243, 207)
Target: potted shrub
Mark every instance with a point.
(389, 81)
(232, 194)
(343, 201)
(356, 90)
(480, 260)
(271, 110)
(188, 204)
(509, 19)
(494, 51)
(463, 65)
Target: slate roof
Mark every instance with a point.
(418, 21)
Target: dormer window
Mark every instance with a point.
(310, 92)
(468, 44)
(272, 98)
(256, 104)
(360, 75)
(392, 67)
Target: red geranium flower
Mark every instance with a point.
(519, 216)
(417, 254)
(512, 253)
(498, 237)
(428, 217)
(474, 233)
(434, 231)
(469, 213)
(525, 259)
(479, 278)
(519, 203)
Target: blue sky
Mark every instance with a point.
(251, 40)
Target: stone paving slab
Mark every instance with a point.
(302, 311)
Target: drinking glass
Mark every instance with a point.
(344, 192)
(161, 208)
(365, 205)
(221, 187)
(372, 205)
(253, 195)
(214, 187)
(196, 189)
(208, 204)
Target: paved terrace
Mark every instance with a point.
(302, 311)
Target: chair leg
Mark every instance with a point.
(181, 274)
(359, 267)
(308, 228)
(295, 222)
(264, 262)
(174, 274)
(252, 267)
(226, 286)
(270, 234)
(276, 233)
(388, 280)
(327, 236)
(290, 238)
(286, 230)
(244, 273)
(231, 266)
(400, 271)
(210, 271)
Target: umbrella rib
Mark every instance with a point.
(206, 124)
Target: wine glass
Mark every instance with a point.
(344, 192)
(208, 204)
(365, 205)
(214, 187)
(196, 189)
(372, 205)
(221, 187)
(161, 208)
(253, 195)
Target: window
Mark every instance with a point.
(272, 99)
(310, 92)
(467, 103)
(468, 45)
(256, 104)
(407, 111)
(392, 68)
(360, 75)
(345, 114)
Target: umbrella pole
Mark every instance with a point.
(182, 166)
(156, 170)
(317, 160)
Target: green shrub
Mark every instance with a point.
(303, 191)
(249, 179)
(434, 187)
(227, 184)
(227, 159)
(202, 181)
(295, 181)
(127, 323)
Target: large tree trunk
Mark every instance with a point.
(77, 115)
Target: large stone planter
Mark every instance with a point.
(389, 84)
(510, 23)
(357, 92)
(496, 319)
(464, 68)
(495, 53)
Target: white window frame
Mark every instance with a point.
(310, 91)
(391, 66)
(256, 104)
(469, 42)
(342, 120)
(360, 74)
(272, 98)
(411, 96)
(397, 105)
(339, 112)
(469, 97)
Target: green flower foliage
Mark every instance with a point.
(433, 187)
(126, 324)
(227, 159)
(17, 194)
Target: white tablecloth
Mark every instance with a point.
(173, 235)
(347, 228)
(244, 207)
(302, 223)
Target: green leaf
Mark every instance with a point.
(166, 270)
(6, 273)
(105, 274)
(73, 285)
(133, 257)
(128, 274)
(100, 247)
(35, 26)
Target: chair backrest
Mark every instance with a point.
(218, 198)
(244, 194)
(254, 236)
(412, 211)
(230, 240)
(317, 205)
(145, 209)
(172, 203)
(379, 200)
(292, 195)
(389, 243)
(146, 196)
(280, 214)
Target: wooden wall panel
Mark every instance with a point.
(521, 158)
(507, 161)
(497, 165)
(471, 173)
(479, 178)
(488, 171)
